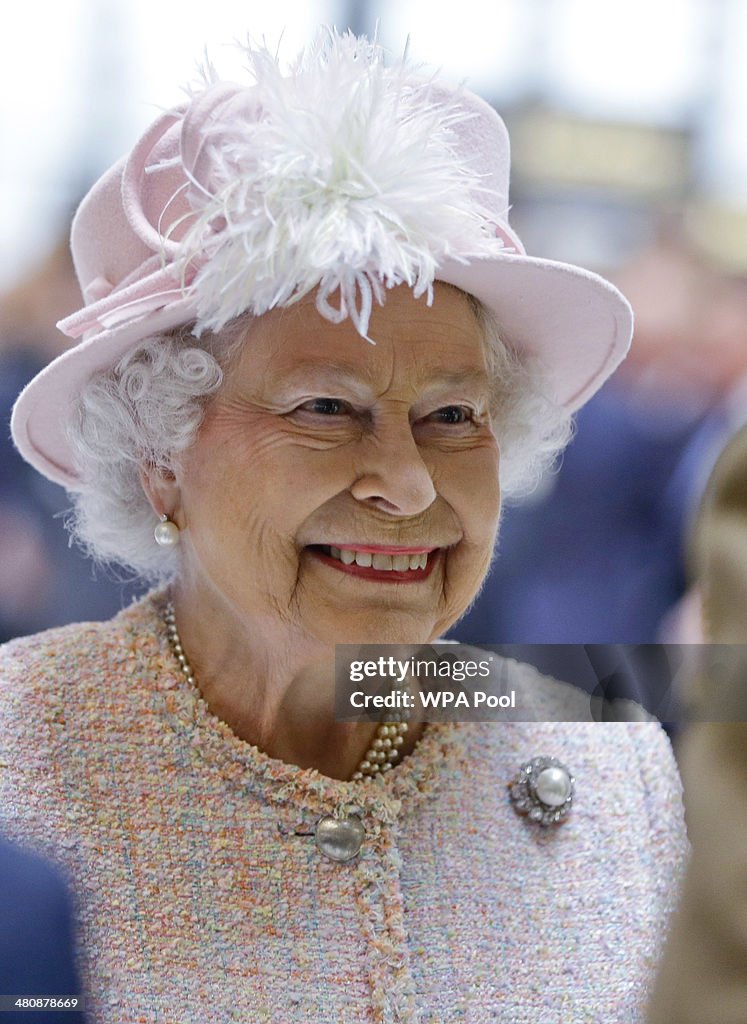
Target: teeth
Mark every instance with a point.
(398, 563)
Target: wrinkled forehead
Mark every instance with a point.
(410, 340)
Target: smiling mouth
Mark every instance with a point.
(392, 566)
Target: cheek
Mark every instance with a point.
(471, 487)
(257, 484)
(474, 495)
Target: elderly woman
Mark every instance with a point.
(309, 338)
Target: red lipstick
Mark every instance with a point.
(364, 572)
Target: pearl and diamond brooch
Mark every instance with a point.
(542, 790)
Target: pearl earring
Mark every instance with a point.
(166, 532)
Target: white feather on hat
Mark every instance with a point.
(342, 176)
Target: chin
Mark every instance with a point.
(387, 627)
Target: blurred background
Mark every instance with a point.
(629, 129)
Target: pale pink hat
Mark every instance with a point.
(345, 176)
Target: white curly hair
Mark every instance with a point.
(148, 409)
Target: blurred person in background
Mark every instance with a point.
(703, 979)
(597, 554)
(727, 351)
(44, 581)
(37, 951)
(312, 356)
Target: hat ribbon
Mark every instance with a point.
(143, 296)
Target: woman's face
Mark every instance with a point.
(344, 491)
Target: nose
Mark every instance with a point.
(391, 474)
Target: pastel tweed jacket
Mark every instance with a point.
(203, 897)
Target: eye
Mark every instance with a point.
(452, 415)
(325, 406)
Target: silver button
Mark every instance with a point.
(340, 838)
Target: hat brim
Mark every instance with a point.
(577, 323)
(43, 409)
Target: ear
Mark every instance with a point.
(162, 491)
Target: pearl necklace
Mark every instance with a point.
(380, 756)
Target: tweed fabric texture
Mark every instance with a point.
(203, 897)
